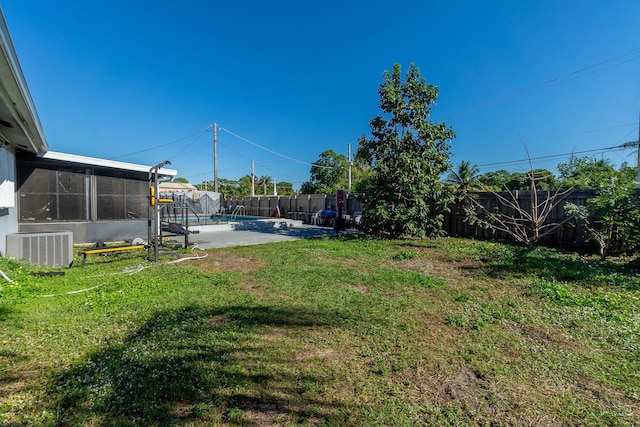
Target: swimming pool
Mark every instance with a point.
(216, 219)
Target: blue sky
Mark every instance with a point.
(142, 82)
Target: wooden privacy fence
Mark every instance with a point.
(455, 224)
(294, 207)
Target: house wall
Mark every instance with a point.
(8, 211)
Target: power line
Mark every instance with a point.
(265, 148)
(581, 133)
(276, 153)
(551, 83)
(624, 146)
(199, 133)
(188, 145)
(262, 165)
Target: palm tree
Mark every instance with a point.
(465, 178)
(264, 180)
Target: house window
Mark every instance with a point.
(121, 198)
(55, 193)
(49, 195)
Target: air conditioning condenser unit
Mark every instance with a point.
(48, 248)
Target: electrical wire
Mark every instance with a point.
(199, 133)
(275, 152)
(612, 149)
(582, 132)
(188, 145)
(550, 83)
(129, 270)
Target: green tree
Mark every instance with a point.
(182, 180)
(545, 179)
(495, 180)
(408, 153)
(285, 188)
(611, 218)
(307, 187)
(586, 173)
(227, 187)
(244, 185)
(329, 172)
(265, 182)
(464, 178)
(503, 180)
(360, 173)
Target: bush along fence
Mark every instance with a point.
(457, 222)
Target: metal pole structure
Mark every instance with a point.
(156, 211)
(349, 186)
(215, 157)
(150, 212)
(275, 190)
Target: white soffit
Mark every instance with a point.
(93, 161)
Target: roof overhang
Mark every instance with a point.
(19, 122)
(93, 161)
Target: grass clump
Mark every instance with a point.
(325, 332)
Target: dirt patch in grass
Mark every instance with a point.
(268, 414)
(217, 320)
(430, 264)
(463, 386)
(218, 262)
(556, 337)
(15, 383)
(20, 380)
(358, 288)
(326, 354)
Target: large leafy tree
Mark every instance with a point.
(307, 187)
(408, 153)
(612, 217)
(329, 172)
(285, 188)
(502, 180)
(586, 172)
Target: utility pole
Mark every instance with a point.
(275, 190)
(215, 157)
(253, 179)
(349, 187)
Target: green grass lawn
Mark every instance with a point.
(325, 332)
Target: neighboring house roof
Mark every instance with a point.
(176, 186)
(19, 122)
(93, 161)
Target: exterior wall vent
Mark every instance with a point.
(52, 249)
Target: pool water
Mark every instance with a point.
(217, 219)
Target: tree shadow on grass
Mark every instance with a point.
(193, 366)
(5, 312)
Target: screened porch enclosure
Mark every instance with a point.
(48, 195)
(96, 203)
